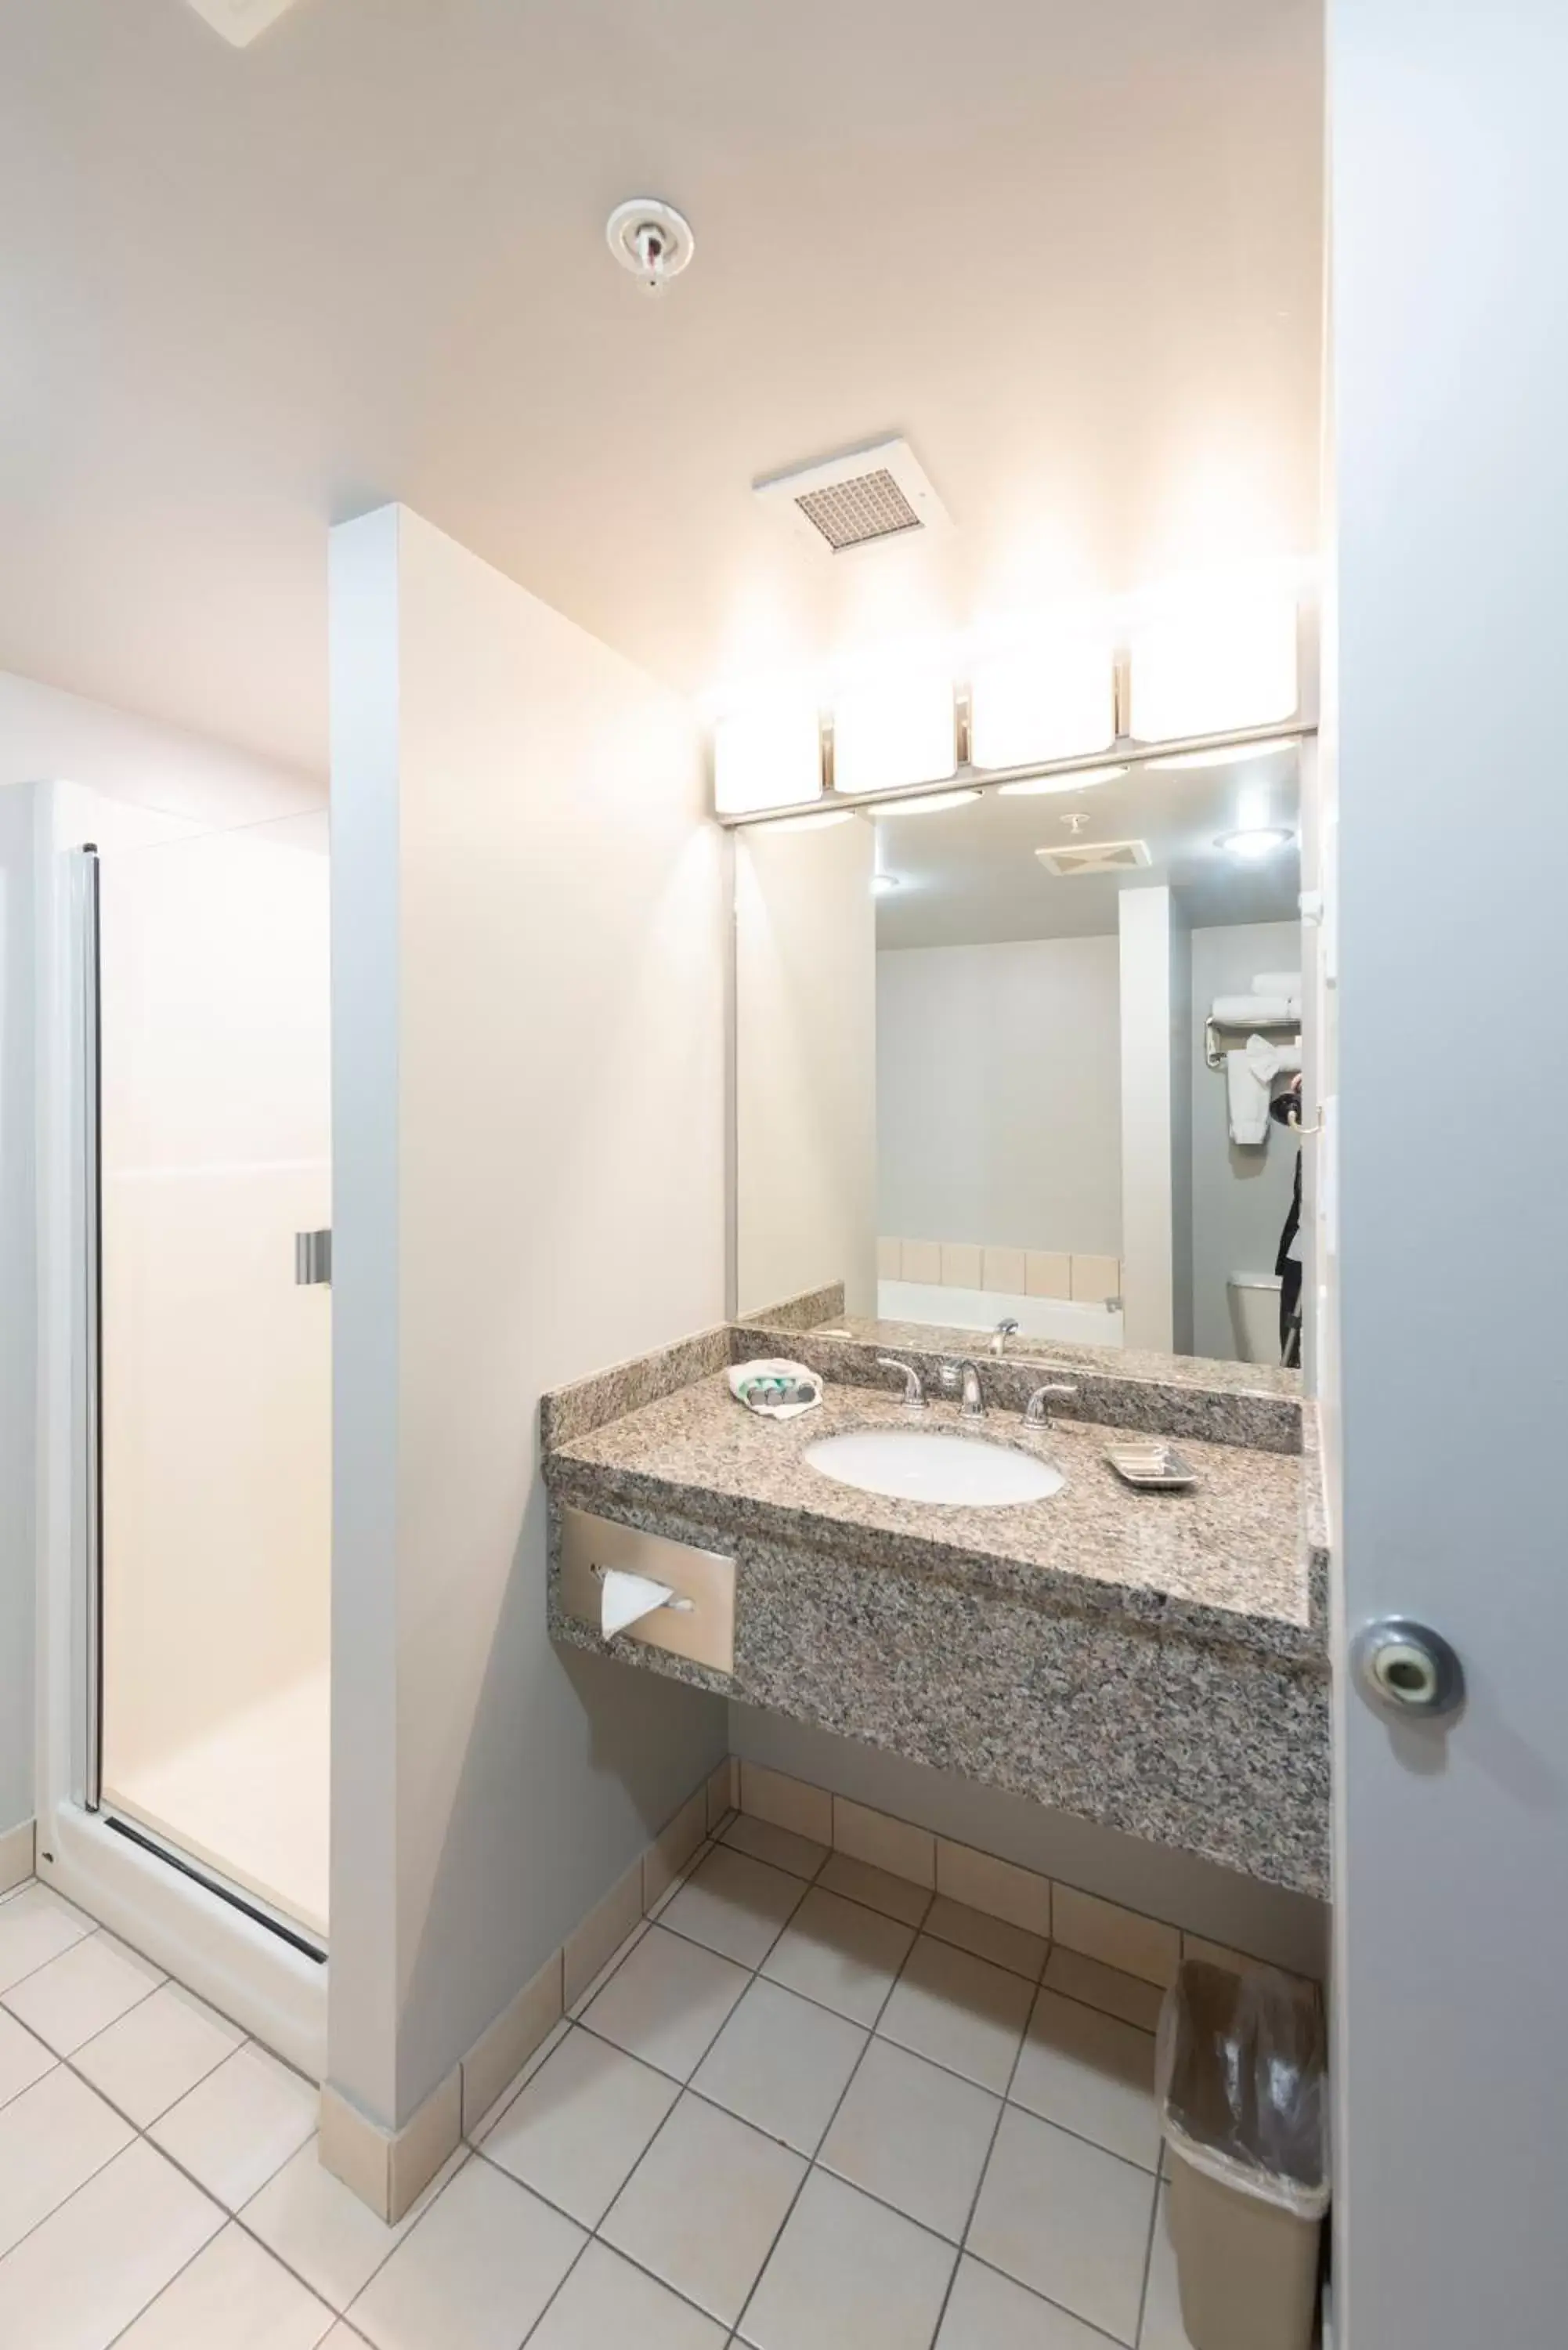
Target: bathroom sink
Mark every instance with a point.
(918, 1464)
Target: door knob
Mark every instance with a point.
(1406, 1670)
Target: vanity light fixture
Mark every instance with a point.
(893, 729)
(933, 804)
(1212, 657)
(1084, 781)
(1230, 756)
(1256, 842)
(1054, 697)
(767, 754)
(883, 884)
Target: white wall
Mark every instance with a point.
(1450, 188)
(806, 1078)
(18, 1305)
(528, 1177)
(998, 1095)
(48, 736)
(1240, 1196)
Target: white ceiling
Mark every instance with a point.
(1072, 251)
(970, 874)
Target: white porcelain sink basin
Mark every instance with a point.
(918, 1464)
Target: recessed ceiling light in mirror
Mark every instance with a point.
(1035, 786)
(1258, 841)
(883, 884)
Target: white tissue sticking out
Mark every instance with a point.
(624, 1599)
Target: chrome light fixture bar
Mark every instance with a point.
(1122, 753)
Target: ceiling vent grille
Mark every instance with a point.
(867, 497)
(1096, 856)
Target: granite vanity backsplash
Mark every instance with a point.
(1248, 1404)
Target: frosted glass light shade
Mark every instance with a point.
(894, 730)
(1213, 662)
(767, 754)
(1054, 698)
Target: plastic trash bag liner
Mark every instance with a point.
(1242, 2078)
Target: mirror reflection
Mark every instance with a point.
(1021, 1061)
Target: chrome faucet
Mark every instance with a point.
(973, 1404)
(1037, 1411)
(1004, 1330)
(914, 1393)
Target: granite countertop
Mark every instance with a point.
(1224, 1563)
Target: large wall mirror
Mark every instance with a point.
(1028, 1055)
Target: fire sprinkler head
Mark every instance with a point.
(650, 239)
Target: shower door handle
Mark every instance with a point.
(313, 1257)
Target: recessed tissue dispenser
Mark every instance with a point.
(666, 1594)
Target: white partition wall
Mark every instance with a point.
(215, 1365)
(528, 1186)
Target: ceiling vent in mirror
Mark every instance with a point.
(240, 21)
(868, 498)
(1096, 856)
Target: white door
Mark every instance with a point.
(1449, 196)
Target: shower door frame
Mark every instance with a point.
(216, 1939)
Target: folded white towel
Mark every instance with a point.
(1270, 1061)
(1278, 983)
(1257, 1011)
(1250, 1075)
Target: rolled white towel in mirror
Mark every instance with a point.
(1256, 1010)
(1247, 1099)
(1250, 1074)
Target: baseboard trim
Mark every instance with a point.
(1135, 1941)
(390, 2170)
(17, 1855)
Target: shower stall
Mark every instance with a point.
(189, 1672)
(215, 1361)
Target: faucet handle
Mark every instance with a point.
(914, 1393)
(1006, 1328)
(1037, 1411)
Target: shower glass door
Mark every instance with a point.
(214, 1150)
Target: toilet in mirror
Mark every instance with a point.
(1017, 1058)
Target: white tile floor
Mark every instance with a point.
(790, 2115)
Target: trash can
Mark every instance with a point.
(1242, 2078)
